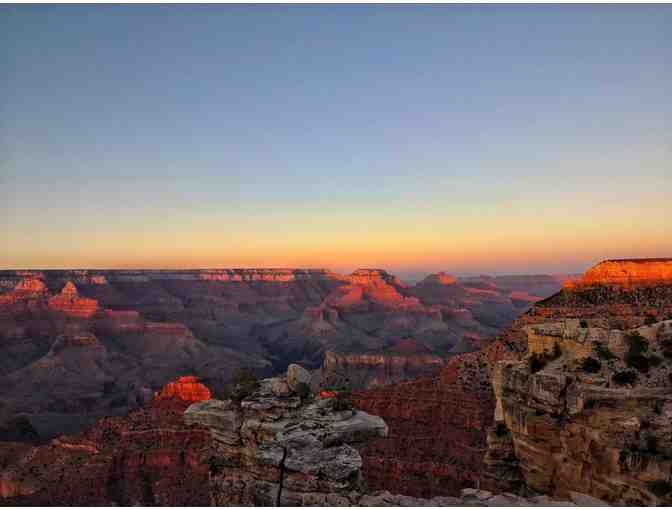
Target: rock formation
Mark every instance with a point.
(626, 273)
(70, 303)
(149, 457)
(402, 360)
(583, 406)
(438, 427)
(275, 448)
(153, 326)
(186, 388)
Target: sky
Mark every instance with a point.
(469, 139)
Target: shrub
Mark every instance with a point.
(655, 360)
(583, 323)
(501, 429)
(243, 383)
(651, 444)
(634, 357)
(660, 487)
(302, 390)
(536, 362)
(650, 319)
(624, 377)
(637, 342)
(216, 464)
(342, 401)
(591, 365)
(603, 352)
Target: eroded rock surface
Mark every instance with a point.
(273, 448)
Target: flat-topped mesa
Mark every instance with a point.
(375, 285)
(31, 286)
(272, 275)
(28, 288)
(69, 302)
(626, 273)
(373, 277)
(187, 388)
(279, 447)
(440, 278)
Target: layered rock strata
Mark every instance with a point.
(273, 448)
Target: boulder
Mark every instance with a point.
(296, 375)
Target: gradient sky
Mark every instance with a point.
(500, 139)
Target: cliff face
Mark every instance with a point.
(149, 457)
(585, 406)
(437, 429)
(152, 326)
(593, 419)
(273, 448)
(186, 388)
(403, 360)
(627, 273)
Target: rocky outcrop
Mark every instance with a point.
(627, 273)
(475, 497)
(440, 279)
(156, 325)
(593, 417)
(186, 388)
(438, 427)
(70, 303)
(147, 458)
(275, 448)
(403, 360)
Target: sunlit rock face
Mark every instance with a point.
(153, 326)
(579, 409)
(187, 388)
(441, 279)
(70, 303)
(277, 448)
(627, 273)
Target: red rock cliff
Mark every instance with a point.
(186, 388)
(70, 303)
(627, 273)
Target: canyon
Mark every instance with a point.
(568, 402)
(441, 425)
(78, 345)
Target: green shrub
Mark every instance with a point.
(342, 401)
(650, 319)
(624, 377)
(634, 358)
(216, 464)
(637, 343)
(654, 360)
(583, 323)
(591, 365)
(302, 390)
(651, 444)
(501, 429)
(660, 487)
(536, 362)
(603, 352)
(243, 383)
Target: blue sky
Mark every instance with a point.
(413, 137)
